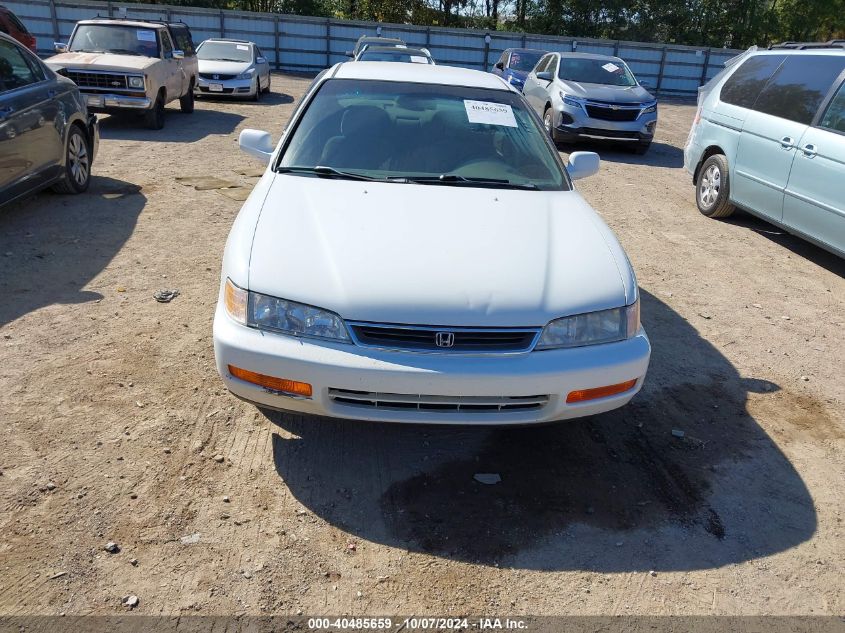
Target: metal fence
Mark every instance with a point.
(304, 44)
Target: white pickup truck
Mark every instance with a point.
(123, 65)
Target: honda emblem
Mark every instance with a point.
(444, 339)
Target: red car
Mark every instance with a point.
(12, 26)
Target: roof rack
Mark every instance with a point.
(801, 46)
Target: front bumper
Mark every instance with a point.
(228, 87)
(333, 366)
(97, 102)
(572, 123)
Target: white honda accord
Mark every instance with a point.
(416, 252)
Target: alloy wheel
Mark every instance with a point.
(711, 182)
(78, 159)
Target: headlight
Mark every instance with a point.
(571, 101)
(592, 328)
(136, 82)
(649, 107)
(247, 75)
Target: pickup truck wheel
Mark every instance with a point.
(77, 163)
(186, 103)
(154, 118)
(712, 191)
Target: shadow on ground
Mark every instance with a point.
(797, 245)
(51, 246)
(178, 127)
(267, 99)
(658, 155)
(616, 492)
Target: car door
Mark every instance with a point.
(779, 117)
(176, 81)
(262, 67)
(183, 41)
(31, 147)
(814, 203)
(534, 90)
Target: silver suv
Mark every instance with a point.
(585, 96)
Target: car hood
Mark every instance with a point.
(101, 61)
(435, 254)
(217, 67)
(601, 92)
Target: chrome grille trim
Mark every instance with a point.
(100, 80)
(420, 338)
(432, 403)
(607, 111)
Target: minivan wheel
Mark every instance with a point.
(77, 163)
(712, 191)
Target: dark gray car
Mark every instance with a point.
(47, 137)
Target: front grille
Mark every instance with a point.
(106, 81)
(425, 338)
(605, 112)
(216, 77)
(443, 404)
(594, 131)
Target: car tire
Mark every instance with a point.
(256, 96)
(642, 148)
(548, 122)
(77, 174)
(712, 189)
(267, 89)
(154, 117)
(186, 103)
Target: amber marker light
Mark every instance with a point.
(235, 299)
(282, 385)
(582, 395)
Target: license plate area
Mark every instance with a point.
(95, 101)
(215, 87)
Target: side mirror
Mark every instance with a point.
(349, 53)
(60, 47)
(500, 65)
(260, 60)
(259, 144)
(645, 83)
(544, 76)
(582, 164)
(177, 54)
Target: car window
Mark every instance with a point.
(114, 38)
(834, 115)
(225, 51)
(15, 71)
(258, 53)
(523, 60)
(386, 129)
(541, 65)
(166, 45)
(588, 70)
(744, 86)
(799, 86)
(183, 39)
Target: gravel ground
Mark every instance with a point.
(117, 429)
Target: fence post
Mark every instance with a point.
(109, 8)
(486, 50)
(222, 25)
(278, 53)
(328, 42)
(523, 40)
(616, 48)
(706, 67)
(660, 73)
(54, 19)
(428, 37)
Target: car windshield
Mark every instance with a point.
(115, 38)
(225, 51)
(595, 71)
(524, 60)
(394, 55)
(430, 133)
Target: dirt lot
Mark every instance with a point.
(112, 415)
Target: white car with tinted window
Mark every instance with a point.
(416, 252)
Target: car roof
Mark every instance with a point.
(225, 40)
(525, 50)
(367, 38)
(418, 73)
(393, 49)
(804, 51)
(606, 58)
(128, 22)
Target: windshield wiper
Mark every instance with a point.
(125, 51)
(502, 183)
(329, 172)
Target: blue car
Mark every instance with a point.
(515, 64)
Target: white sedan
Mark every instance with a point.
(416, 252)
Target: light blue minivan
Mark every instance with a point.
(769, 138)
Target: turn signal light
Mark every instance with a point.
(283, 385)
(582, 395)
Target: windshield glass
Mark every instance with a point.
(595, 71)
(115, 38)
(396, 55)
(225, 51)
(385, 129)
(524, 60)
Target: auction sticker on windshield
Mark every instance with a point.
(145, 35)
(489, 113)
(610, 67)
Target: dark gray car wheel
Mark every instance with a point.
(77, 163)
